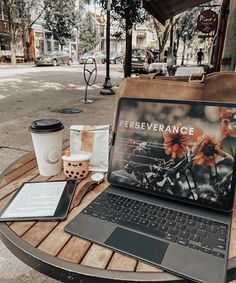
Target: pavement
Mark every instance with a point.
(28, 93)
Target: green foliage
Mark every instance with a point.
(88, 36)
(60, 19)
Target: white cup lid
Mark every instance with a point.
(76, 157)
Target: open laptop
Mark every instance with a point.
(172, 175)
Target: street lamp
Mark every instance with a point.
(107, 86)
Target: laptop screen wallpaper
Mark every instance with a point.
(180, 150)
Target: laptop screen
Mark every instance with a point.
(180, 150)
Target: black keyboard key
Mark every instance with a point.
(182, 241)
(134, 219)
(215, 253)
(144, 222)
(173, 231)
(212, 244)
(103, 216)
(142, 215)
(201, 226)
(170, 217)
(191, 229)
(134, 212)
(170, 223)
(152, 218)
(207, 221)
(181, 220)
(170, 237)
(118, 208)
(161, 221)
(144, 209)
(190, 222)
(217, 237)
(206, 250)
(88, 211)
(126, 216)
(161, 214)
(193, 246)
(127, 204)
(113, 219)
(187, 216)
(163, 228)
(220, 225)
(153, 211)
(126, 210)
(194, 238)
(178, 213)
(141, 228)
(201, 233)
(211, 229)
(180, 226)
(153, 225)
(222, 232)
(183, 234)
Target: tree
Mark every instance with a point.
(186, 28)
(88, 37)
(60, 19)
(127, 13)
(19, 20)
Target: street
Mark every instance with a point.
(29, 93)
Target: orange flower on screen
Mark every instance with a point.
(175, 144)
(225, 116)
(207, 151)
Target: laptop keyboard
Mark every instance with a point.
(194, 232)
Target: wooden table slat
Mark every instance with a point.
(122, 262)
(14, 185)
(58, 238)
(24, 165)
(75, 250)
(97, 256)
(144, 267)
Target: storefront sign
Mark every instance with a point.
(207, 21)
(4, 28)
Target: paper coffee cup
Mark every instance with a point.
(47, 141)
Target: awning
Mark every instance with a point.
(163, 10)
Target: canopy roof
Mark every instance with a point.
(163, 10)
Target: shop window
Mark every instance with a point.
(49, 46)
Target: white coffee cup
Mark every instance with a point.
(47, 141)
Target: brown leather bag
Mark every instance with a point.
(214, 87)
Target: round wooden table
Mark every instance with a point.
(45, 246)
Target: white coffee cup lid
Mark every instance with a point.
(76, 157)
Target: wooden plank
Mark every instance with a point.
(25, 159)
(21, 227)
(57, 239)
(75, 250)
(122, 262)
(24, 165)
(18, 172)
(97, 256)
(38, 232)
(14, 185)
(143, 267)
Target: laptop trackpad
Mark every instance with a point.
(135, 244)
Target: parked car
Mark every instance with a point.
(97, 56)
(53, 58)
(141, 59)
(115, 57)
